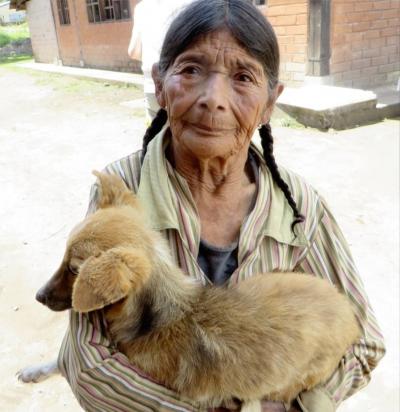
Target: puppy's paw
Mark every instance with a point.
(31, 374)
(37, 373)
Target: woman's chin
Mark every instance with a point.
(204, 146)
(209, 150)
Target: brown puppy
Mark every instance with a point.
(270, 336)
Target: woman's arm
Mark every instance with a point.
(102, 378)
(135, 44)
(329, 257)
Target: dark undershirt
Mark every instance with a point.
(218, 263)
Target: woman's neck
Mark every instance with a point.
(223, 190)
(216, 177)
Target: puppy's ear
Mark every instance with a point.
(109, 277)
(113, 191)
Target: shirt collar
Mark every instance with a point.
(157, 192)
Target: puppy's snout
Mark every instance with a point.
(41, 296)
(50, 296)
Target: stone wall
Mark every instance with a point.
(17, 48)
(290, 21)
(42, 31)
(365, 42)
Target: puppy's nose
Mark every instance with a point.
(41, 296)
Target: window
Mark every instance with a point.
(121, 9)
(107, 10)
(63, 12)
(93, 9)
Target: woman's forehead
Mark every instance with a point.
(219, 44)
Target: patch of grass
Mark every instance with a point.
(286, 121)
(12, 61)
(138, 112)
(74, 89)
(73, 85)
(82, 86)
(13, 33)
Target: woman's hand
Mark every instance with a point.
(222, 410)
(294, 409)
(269, 406)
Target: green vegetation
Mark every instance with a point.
(284, 120)
(10, 61)
(82, 86)
(75, 88)
(14, 32)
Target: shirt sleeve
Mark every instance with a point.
(102, 379)
(328, 256)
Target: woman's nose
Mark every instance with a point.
(215, 94)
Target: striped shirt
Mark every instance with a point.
(102, 378)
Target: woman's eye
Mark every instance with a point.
(243, 77)
(190, 70)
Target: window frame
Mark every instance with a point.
(107, 11)
(63, 12)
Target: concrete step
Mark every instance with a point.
(388, 101)
(324, 107)
(86, 73)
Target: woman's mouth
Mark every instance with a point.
(208, 130)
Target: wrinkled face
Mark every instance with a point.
(216, 94)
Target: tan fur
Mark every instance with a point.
(122, 269)
(271, 336)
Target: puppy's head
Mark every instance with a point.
(105, 255)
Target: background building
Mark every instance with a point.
(353, 43)
(10, 16)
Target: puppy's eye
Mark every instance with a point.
(73, 269)
(74, 264)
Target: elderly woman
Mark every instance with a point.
(224, 207)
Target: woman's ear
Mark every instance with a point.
(271, 103)
(158, 82)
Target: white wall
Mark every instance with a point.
(42, 30)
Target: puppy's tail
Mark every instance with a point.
(113, 191)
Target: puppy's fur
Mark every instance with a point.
(270, 336)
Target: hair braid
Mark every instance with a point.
(154, 128)
(267, 143)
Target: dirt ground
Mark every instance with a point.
(54, 130)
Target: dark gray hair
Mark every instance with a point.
(244, 21)
(254, 33)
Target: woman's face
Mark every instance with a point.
(215, 94)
